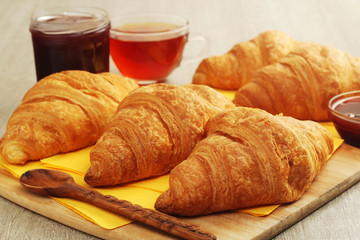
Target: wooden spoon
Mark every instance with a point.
(59, 184)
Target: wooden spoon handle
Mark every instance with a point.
(147, 216)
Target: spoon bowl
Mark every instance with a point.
(45, 182)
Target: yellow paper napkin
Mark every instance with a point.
(76, 162)
(143, 193)
(18, 170)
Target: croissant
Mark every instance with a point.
(248, 158)
(154, 129)
(235, 68)
(63, 112)
(302, 83)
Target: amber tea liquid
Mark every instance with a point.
(144, 58)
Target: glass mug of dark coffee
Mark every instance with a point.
(70, 38)
(149, 46)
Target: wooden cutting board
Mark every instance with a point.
(340, 173)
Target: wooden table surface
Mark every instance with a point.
(225, 22)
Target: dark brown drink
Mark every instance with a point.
(75, 40)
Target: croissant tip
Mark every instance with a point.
(160, 204)
(200, 78)
(90, 179)
(93, 178)
(13, 153)
(164, 203)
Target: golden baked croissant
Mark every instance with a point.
(248, 158)
(62, 112)
(302, 83)
(154, 129)
(235, 68)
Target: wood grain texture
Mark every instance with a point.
(340, 173)
(335, 23)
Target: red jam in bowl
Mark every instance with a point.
(344, 112)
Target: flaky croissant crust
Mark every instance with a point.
(62, 112)
(155, 128)
(302, 83)
(248, 158)
(236, 68)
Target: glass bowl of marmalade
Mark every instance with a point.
(344, 112)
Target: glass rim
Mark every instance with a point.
(336, 98)
(182, 29)
(99, 19)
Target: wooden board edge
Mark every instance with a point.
(315, 204)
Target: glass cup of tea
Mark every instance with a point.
(149, 46)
